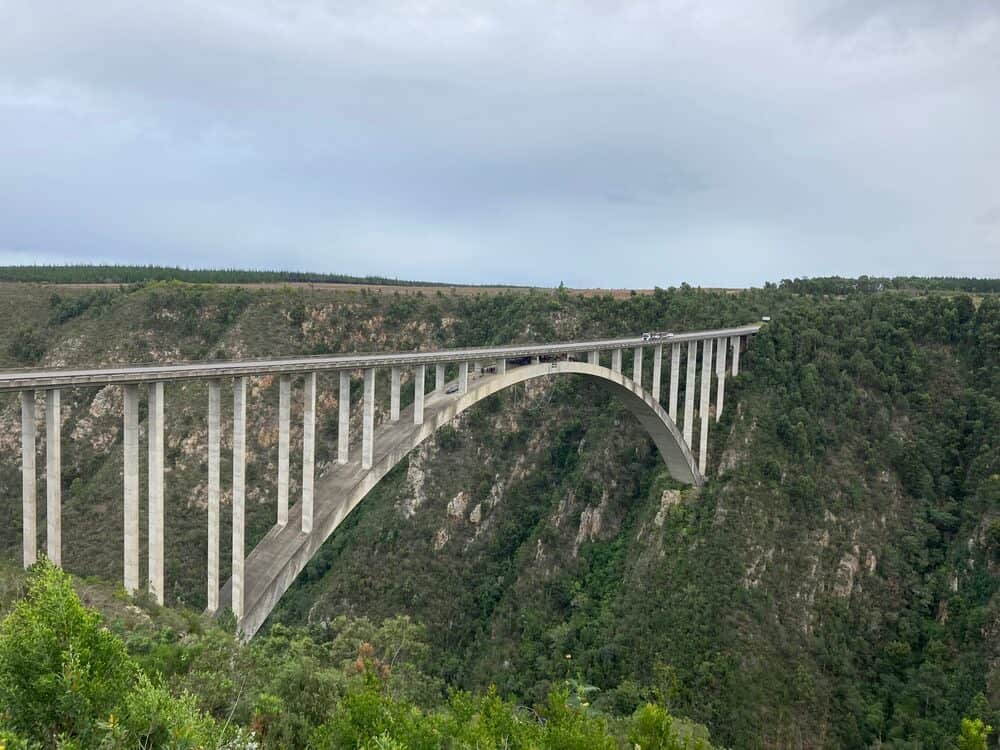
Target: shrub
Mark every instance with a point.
(60, 669)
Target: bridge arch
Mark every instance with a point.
(276, 561)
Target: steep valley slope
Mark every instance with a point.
(833, 585)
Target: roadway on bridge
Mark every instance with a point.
(18, 380)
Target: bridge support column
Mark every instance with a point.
(214, 438)
(439, 378)
(593, 358)
(463, 377)
(675, 374)
(501, 366)
(29, 498)
(637, 366)
(736, 340)
(394, 395)
(308, 450)
(344, 418)
(154, 395)
(130, 482)
(657, 374)
(616, 360)
(689, 384)
(53, 477)
(536, 360)
(720, 376)
(706, 384)
(284, 417)
(368, 421)
(419, 373)
(239, 491)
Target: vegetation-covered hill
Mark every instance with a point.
(138, 677)
(107, 274)
(833, 585)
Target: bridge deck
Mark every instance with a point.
(18, 380)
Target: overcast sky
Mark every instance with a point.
(593, 142)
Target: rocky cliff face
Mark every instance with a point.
(842, 557)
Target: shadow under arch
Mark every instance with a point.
(284, 551)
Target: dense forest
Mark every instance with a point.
(68, 680)
(876, 284)
(68, 274)
(834, 584)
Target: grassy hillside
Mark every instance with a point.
(833, 585)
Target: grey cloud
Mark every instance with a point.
(503, 141)
(851, 16)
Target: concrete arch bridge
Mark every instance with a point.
(261, 577)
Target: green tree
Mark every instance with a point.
(973, 735)
(60, 669)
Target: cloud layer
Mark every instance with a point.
(594, 142)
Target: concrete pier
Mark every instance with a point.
(463, 377)
(368, 420)
(154, 395)
(706, 385)
(736, 354)
(284, 419)
(720, 376)
(394, 394)
(439, 378)
(53, 477)
(501, 366)
(130, 481)
(214, 439)
(616, 360)
(689, 384)
(675, 375)
(419, 375)
(239, 491)
(594, 357)
(657, 371)
(308, 449)
(637, 366)
(344, 418)
(29, 496)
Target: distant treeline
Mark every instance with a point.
(873, 284)
(138, 274)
